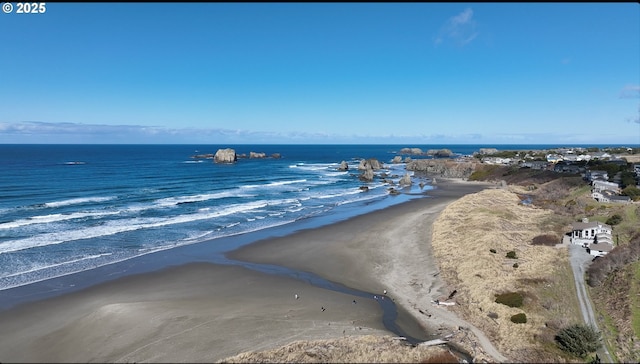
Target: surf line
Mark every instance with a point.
(389, 310)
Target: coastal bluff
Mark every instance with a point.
(442, 167)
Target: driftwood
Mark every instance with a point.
(433, 342)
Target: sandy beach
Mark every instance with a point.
(204, 312)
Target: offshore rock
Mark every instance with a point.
(343, 166)
(367, 175)
(442, 153)
(414, 151)
(397, 159)
(225, 156)
(371, 162)
(488, 151)
(257, 155)
(405, 180)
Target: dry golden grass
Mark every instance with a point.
(351, 349)
(462, 238)
(632, 158)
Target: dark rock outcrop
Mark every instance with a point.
(276, 156)
(442, 167)
(225, 156)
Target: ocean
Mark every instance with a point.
(72, 208)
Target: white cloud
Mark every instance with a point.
(630, 92)
(459, 29)
(78, 133)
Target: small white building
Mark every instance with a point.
(599, 186)
(600, 249)
(585, 232)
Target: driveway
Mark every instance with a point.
(580, 261)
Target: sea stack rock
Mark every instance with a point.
(257, 155)
(397, 159)
(367, 175)
(343, 166)
(405, 180)
(369, 163)
(225, 156)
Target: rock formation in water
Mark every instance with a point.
(225, 156)
(257, 155)
(405, 180)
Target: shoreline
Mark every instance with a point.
(239, 310)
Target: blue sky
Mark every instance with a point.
(420, 73)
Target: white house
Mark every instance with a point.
(554, 158)
(599, 186)
(585, 233)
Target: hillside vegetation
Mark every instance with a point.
(352, 349)
(615, 278)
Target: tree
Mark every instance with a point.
(632, 191)
(579, 340)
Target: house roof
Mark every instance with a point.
(589, 225)
(603, 247)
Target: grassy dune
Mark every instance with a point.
(353, 349)
(463, 236)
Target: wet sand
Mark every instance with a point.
(203, 312)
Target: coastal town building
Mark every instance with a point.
(596, 175)
(554, 158)
(600, 249)
(563, 167)
(599, 186)
(539, 165)
(586, 232)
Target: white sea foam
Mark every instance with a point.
(275, 184)
(77, 201)
(120, 226)
(172, 201)
(339, 194)
(46, 219)
(315, 166)
(49, 266)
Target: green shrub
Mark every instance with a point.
(614, 220)
(492, 250)
(511, 299)
(579, 340)
(515, 265)
(511, 255)
(519, 318)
